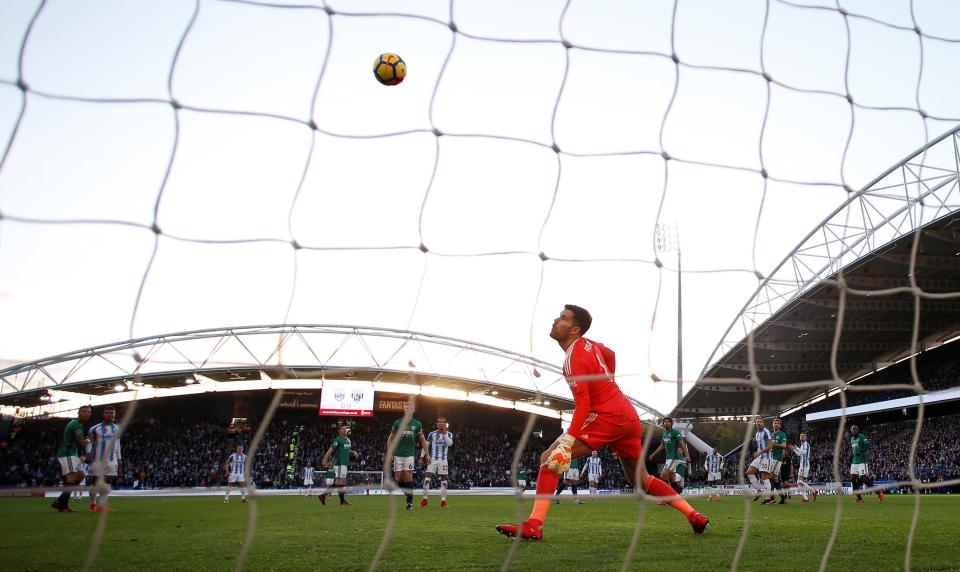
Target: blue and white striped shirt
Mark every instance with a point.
(714, 462)
(440, 444)
(593, 467)
(103, 441)
(236, 462)
(762, 438)
(804, 450)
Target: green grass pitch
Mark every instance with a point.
(297, 533)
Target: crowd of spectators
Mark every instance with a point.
(944, 376)
(937, 456)
(191, 452)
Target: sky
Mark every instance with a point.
(489, 199)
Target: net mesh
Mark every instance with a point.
(794, 74)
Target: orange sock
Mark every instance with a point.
(658, 488)
(546, 485)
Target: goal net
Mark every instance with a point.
(171, 167)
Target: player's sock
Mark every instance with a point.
(408, 489)
(426, 488)
(546, 483)
(754, 483)
(658, 488)
(593, 491)
(64, 499)
(341, 494)
(443, 490)
(574, 489)
(92, 493)
(803, 489)
(243, 493)
(560, 486)
(856, 485)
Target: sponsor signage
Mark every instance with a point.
(390, 402)
(300, 399)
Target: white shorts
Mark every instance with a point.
(761, 464)
(402, 464)
(70, 464)
(572, 475)
(331, 482)
(803, 473)
(236, 478)
(439, 468)
(522, 483)
(714, 477)
(105, 469)
(775, 467)
(308, 482)
(672, 464)
(339, 471)
(858, 469)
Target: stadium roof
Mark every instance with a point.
(287, 356)
(859, 260)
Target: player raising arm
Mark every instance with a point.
(602, 416)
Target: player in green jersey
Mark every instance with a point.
(408, 435)
(74, 440)
(342, 451)
(572, 479)
(779, 439)
(522, 478)
(329, 479)
(859, 472)
(680, 476)
(675, 452)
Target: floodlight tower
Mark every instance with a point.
(668, 240)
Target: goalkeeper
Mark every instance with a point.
(602, 416)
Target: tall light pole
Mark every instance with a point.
(668, 240)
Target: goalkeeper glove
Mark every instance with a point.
(559, 459)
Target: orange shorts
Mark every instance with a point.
(620, 430)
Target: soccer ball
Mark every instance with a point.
(389, 69)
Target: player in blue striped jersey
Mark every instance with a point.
(761, 460)
(235, 475)
(104, 449)
(714, 466)
(594, 469)
(439, 443)
(803, 466)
